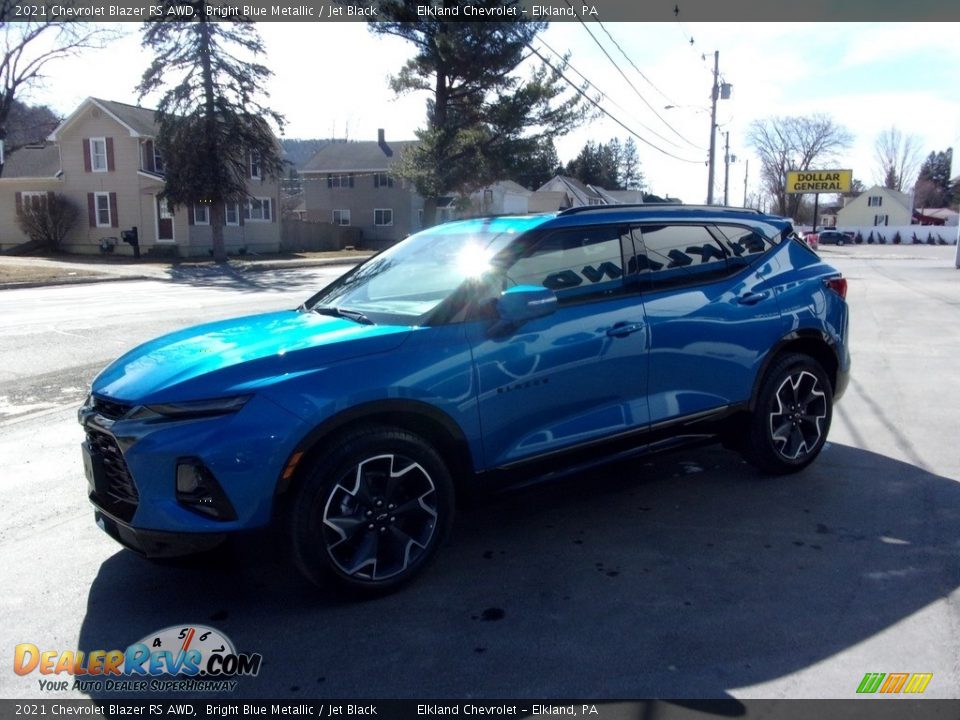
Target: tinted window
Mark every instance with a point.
(577, 264)
(679, 255)
(741, 242)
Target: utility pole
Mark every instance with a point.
(727, 159)
(746, 174)
(714, 96)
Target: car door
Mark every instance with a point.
(711, 313)
(577, 375)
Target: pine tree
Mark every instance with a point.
(481, 116)
(534, 171)
(211, 123)
(630, 174)
(933, 188)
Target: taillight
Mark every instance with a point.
(838, 285)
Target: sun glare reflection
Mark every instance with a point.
(473, 260)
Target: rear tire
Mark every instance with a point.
(792, 416)
(372, 512)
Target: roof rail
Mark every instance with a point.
(655, 206)
(586, 208)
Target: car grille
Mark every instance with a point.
(110, 409)
(120, 497)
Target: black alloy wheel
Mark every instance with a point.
(372, 513)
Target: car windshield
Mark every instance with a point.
(406, 282)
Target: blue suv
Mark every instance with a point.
(470, 355)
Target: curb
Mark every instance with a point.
(244, 267)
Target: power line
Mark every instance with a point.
(633, 65)
(607, 113)
(632, 86)
(605, 96)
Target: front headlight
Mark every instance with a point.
(198, 408)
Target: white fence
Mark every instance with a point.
(886, 234)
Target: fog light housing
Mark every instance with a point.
(199, 491)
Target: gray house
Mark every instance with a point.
(350, 183)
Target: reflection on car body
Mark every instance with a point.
(472, 354)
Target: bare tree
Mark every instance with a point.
(794, 143)
(898, 157)
(28, 47)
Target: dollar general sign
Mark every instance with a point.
(819, 181)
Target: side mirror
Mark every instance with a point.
(525, 302)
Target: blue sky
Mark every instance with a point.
(332, 79)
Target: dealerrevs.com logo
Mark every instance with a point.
(894, 683)
(185, 658)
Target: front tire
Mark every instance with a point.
(792, 416)
(372, 512)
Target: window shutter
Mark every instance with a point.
(19, 199)
(273, 215)
(114, 220)
(86, 155)
(92, 209)
(240, 213)
(110, 166)
(351, 181)
(191, 215)
(329, 181)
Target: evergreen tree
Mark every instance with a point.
(933, 189)
(534, 171)
(599, 164)
(212, 125)
(481, 115)
(587, 166)
(630, 174)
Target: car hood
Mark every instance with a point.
(239, 355)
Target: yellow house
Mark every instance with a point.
(106, 163)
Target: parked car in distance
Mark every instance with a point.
(834, 237)
(470, 356)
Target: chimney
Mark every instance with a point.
(381, 141)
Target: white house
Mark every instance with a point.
(878, 206)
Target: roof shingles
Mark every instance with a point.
(367, 156)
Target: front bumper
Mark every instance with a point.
(131, 466)
(155, 544)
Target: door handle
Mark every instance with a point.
(622, 329)
(753, 298)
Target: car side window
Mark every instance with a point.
(578, 264)
(741, 242)
(673, 255)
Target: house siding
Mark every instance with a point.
(135, 195)
(362, 200)
(859, 212)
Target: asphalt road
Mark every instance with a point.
(685, 575)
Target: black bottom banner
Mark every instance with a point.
(859, 709)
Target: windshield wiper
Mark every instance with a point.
(334, 311)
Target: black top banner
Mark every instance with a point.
(547, 10)
(447, 709)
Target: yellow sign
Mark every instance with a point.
(819, 181)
